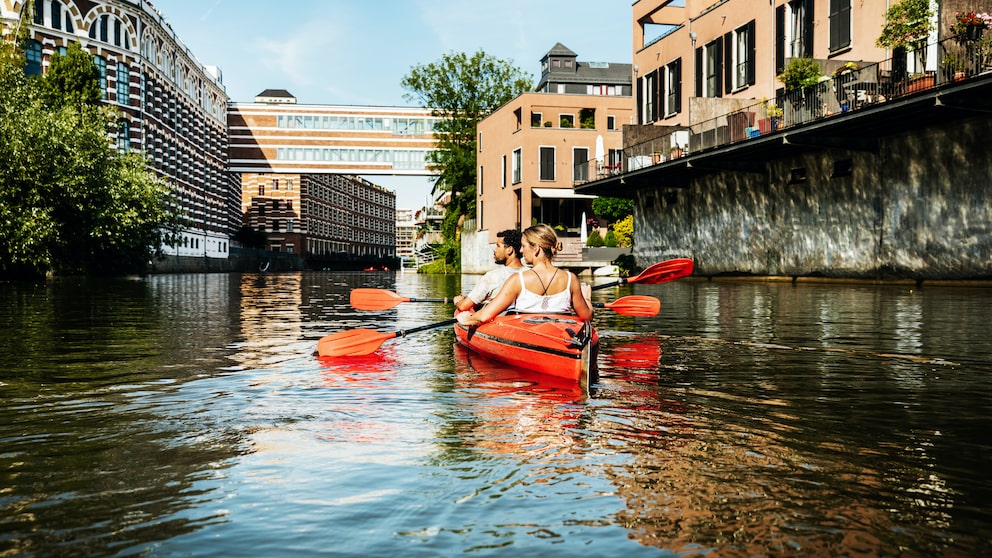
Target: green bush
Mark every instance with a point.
(611, 239)
(595, 239)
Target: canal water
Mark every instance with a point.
(185, 415)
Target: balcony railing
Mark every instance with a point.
(848, 90)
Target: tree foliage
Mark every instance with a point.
(69, 202)
(613, 209)
(461, 90)
(624, 231)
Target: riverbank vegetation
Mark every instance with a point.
(70, 201)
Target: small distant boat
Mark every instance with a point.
(559, 345)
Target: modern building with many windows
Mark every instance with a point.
(301, 168)
(172, 107)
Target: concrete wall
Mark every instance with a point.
(920, 208)
(477, 252)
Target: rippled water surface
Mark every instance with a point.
(185, 415)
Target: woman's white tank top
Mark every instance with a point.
(532, 303)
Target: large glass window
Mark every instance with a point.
(650, 113)
(742, 56)
(547, 159)
(713, 69)
(124, 136)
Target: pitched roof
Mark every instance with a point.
(275, 93)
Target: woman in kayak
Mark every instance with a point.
(541, 289)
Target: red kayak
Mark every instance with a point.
(556, 344)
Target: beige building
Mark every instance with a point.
(696, 60)
(536, 148)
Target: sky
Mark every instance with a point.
(356, 52)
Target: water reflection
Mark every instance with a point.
(186, 415)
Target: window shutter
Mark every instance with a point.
(751, 53)
(699, 71)
(728, 62)
(808, 30)
(677, 78)
(718, 70)
(779, 39)
(659, 77)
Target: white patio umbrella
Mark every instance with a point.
(583, 235)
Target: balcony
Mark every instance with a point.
(850, 109)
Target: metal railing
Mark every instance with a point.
(850, 88)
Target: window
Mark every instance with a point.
(124, 136)
(261, 192)
(580, 164)
(123, 83)
(56, 15)
(547, 160)
(517, 163)
(840, 24)
(674, 94)
(39, 12)
(611, 122)
(649, 112)
(502, 178)
(535, 119)
(32, 52)
(713, 57)
(740, 57)
(101, 65)
(800, 29)
(566, 120)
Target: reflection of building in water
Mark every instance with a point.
(271, 318)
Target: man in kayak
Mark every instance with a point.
(544, 288)
(507, 255)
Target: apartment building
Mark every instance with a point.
(172, 107)
(301, 167)
(532, 151)
(697, 59)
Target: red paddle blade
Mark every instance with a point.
(375, 299)
(635, 305)
(354, 342)
(663, 272)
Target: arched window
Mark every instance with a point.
(32, 52)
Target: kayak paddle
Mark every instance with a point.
(633, 305)
(661, 272)
(358, 342)
(381, 299)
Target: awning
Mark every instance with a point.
(560, 193)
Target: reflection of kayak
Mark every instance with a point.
(557, 344)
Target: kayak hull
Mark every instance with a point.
(555, 344)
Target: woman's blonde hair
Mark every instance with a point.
(543, 237)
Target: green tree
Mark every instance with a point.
(69, 202)
(613, 209)
(72, 79)
(461, 90)
(594, 239)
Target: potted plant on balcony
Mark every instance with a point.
(800, 73)
(970, 25)
(774, 114)
(907, 26)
